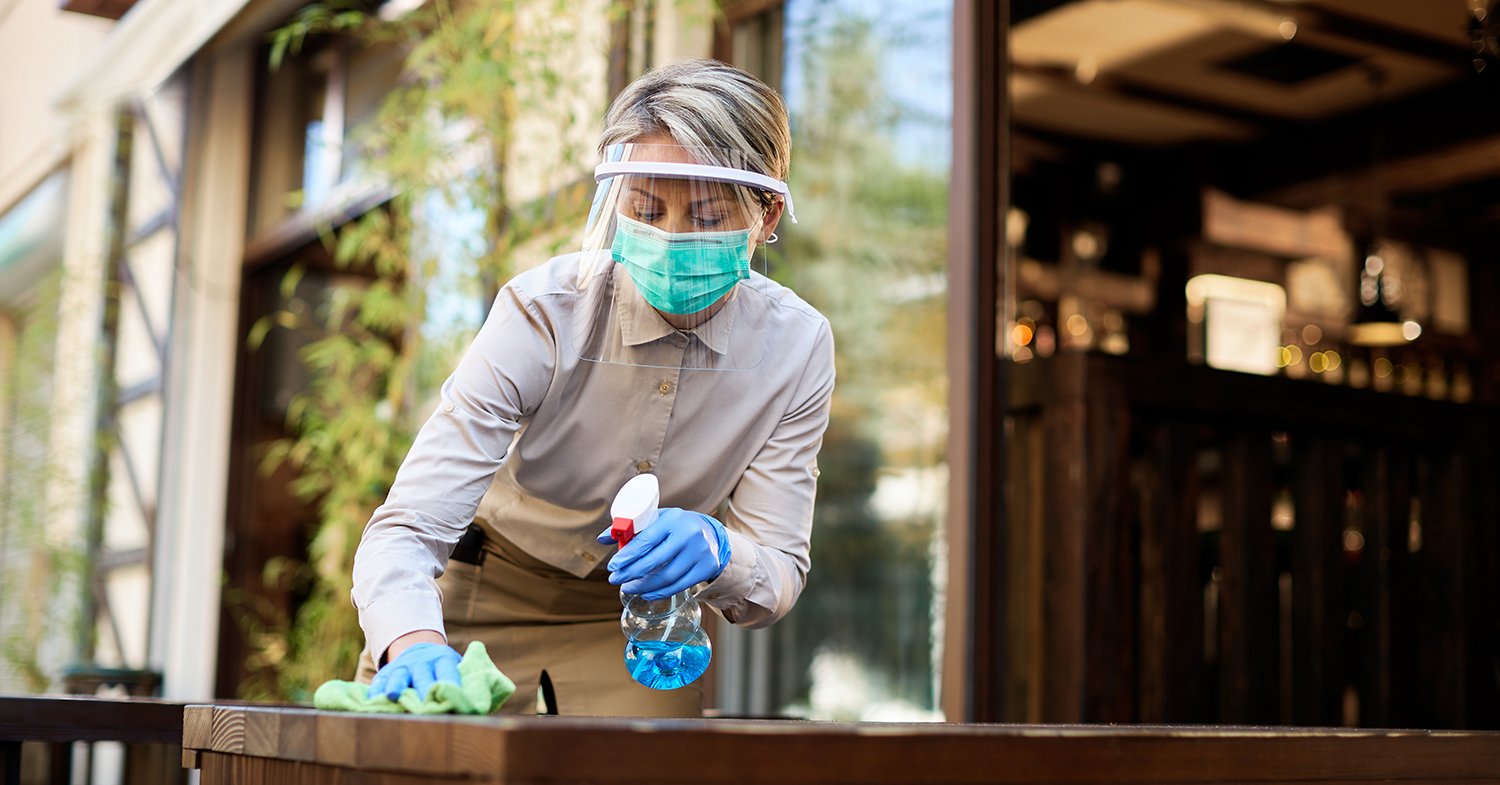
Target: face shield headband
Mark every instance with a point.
(723, 174)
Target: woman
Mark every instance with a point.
(657, 348)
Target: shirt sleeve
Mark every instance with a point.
(770, 513)
(501, 379)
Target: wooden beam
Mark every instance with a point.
(972, 687)
(1121, 86)
(109, 9)
(1298, 164)
(59, 718)
(1338, 24)
(1424, 172)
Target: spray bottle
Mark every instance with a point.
(665, 645)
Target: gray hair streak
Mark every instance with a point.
(705, 103)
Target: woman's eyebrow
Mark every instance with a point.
(645, 193)
(709, 200)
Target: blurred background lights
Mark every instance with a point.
(1410, 330)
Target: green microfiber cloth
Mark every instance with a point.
(481, 690)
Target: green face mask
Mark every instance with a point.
(681, 273)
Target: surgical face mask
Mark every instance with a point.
(681, 273)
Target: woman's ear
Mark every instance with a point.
(768, 223)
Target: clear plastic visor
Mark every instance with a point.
(674, 242)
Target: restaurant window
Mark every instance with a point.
(868, 85)
(309, 112)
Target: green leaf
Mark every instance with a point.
(258, 331)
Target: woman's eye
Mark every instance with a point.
(648, 215)
(708, 221)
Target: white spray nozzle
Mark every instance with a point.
(634, 507)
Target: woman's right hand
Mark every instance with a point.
(417, 659)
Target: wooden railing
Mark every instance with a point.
(1190, 545)
(152, 728)
(252, 746)
(260, 745)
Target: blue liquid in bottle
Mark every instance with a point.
(663, 665)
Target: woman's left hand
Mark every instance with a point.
(679, 549)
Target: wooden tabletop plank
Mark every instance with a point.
(263, 734)
(712, 752)
(197, 727)
(88, 718)
(299, 735)
(335, 739)
(228, 734)
(1019, 756)
(472, 749)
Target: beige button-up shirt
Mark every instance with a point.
(533, 441)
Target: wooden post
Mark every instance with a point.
(1171, 600)
(1065, 600)
(1109, 548)
(973, 661)
(1318, 615)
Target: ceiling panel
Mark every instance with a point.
(1075, 110)
(1164, 70)
(1443, 20)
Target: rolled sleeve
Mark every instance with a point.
(389, 616)
(769, 515)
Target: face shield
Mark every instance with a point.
(674, 233)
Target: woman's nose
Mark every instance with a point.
(678, 221)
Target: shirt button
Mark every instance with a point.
(448, 407)
(665, 387)
(643, 466)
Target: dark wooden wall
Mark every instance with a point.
(1194, 545)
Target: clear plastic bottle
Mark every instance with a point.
(665, 645)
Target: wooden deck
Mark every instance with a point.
(266, 745)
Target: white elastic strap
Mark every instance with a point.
(773, 238)
(725, 174)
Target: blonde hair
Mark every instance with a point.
(705, 103)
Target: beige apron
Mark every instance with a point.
(533, 617)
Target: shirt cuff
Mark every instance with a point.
(388, 618)
(733, 585)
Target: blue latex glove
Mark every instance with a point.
(420, 666)
(680, 549)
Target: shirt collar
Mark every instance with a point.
(641, 324)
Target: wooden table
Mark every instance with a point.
(268, 745)
(65, 719)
